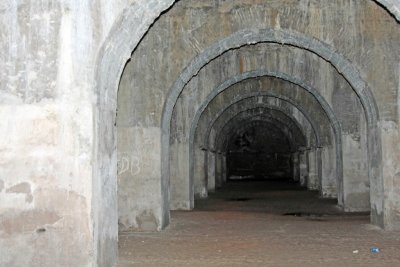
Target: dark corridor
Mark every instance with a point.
(261, 152)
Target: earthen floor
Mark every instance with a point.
(262, 224)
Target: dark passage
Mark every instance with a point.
(261, 171)
(261, 151)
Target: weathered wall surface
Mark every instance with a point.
(48, 52)
(138, 173)
(46, 147)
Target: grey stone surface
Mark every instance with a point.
(61, 65)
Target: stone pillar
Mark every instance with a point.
(139, 171)
(218, 170)
(180, 184)
(224, 169)
(303, 163)
(328, 181)
(313, 177)
(211, 158)
(295, 166)
(356, 188)
(199, 173)
(319, 168)
(391, 174)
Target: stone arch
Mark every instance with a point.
(290, 122)
(116, 50)
(267, 94)
(250, 36)
(238, 125)
(265, 73)
(237, 121)
(267, 105)
(244, 120)
(392, 6)
(250, 95)
(261, 73)
(220, 171)
(242, 124)
(338, 61)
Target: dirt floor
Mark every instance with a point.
(262, 224)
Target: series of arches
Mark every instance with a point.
(294, 126)
(244, 76)
(111, 61)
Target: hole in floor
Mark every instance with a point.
(240, 199)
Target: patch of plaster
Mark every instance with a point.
(21, 188)
(14, 222)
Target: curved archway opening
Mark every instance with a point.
(209, 134)
(261, 162)
(237, 80)
(319, 48)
